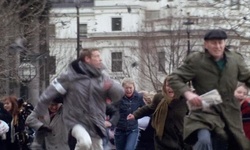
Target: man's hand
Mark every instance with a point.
(45, 129)
(130, 117)
(193, 99)
(107, 84)
(107, 124)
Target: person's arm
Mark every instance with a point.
(194, 99)
(148, 110)
(113, 113)
(116, 91)
(179, 78)
(185, 73)
(33, 121)
(141, 112)
(55, 89)
(143, 122)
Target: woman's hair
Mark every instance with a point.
(147, 96)
(164, 84)
(13, 101)
(128, 81)
(243, 85)
(14, 111)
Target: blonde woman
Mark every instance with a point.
(127, 132)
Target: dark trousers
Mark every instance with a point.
(71, 141)
(3, 144)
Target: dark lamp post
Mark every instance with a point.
(77, 4)
(188, 23)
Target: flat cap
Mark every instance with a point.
(215, 34)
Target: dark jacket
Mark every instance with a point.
(20, 135)
(205, 74)
(4, 114)
(6, 117)
(128, 106)
(173, 129)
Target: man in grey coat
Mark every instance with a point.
(51, 132)
(84, 88)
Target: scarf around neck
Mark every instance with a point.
(160, 115)
(89, 70)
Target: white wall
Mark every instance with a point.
(98, 19)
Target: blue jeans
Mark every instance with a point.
(126, 139)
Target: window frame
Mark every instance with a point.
(116, 24)
(116, 61)
(83, 33)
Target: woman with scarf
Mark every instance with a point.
(168, 112)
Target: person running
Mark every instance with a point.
(217, 68)
(84, 88)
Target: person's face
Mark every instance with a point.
(240, 93)
(169, 91)
(7, 105)
(95, 59)
(53, 108)
(129, 89)
(215, 48)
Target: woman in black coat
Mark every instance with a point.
(168, 111)
(19, 135)
(6, 117)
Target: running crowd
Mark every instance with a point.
(83, 109)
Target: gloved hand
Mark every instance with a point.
(3, 127)
(45, 129)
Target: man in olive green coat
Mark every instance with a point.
(215, 68)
